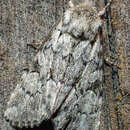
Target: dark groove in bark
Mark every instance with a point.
(113, 52)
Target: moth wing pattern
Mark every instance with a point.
(26, 105)
(83, 105)
(33, 98)
(70, 68)
(84, 108)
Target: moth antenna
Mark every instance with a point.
(102, 12)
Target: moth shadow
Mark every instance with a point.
(45, 125)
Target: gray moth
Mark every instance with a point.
(67, 88)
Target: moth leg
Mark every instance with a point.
(103, 11)
(35, 45)
(111, 61)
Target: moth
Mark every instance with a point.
(67, 88)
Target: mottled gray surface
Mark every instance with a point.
(68, 84)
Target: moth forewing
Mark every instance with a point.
(55, 95)
(26, 106)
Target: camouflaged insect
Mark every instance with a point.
(70, 78)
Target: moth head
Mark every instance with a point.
(74, 3)
(83, 19)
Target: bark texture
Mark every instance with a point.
(116, 104)
(29, 21)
